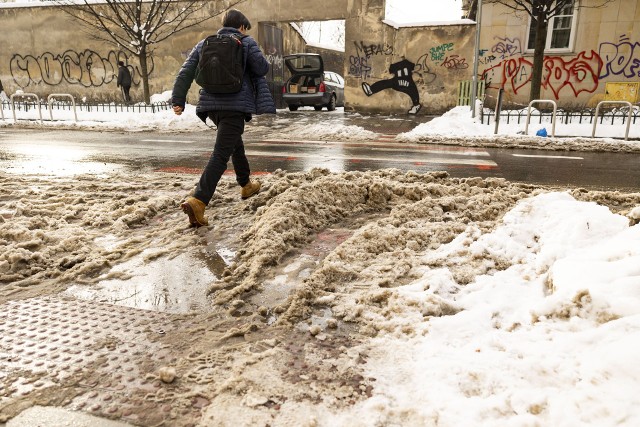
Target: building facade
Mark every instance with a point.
(592, 54)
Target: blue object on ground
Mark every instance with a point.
(542, 132)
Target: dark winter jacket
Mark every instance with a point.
(253, 98)
(124, 77)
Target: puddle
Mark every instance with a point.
(54, 161)
(177, 285)
(300, 263)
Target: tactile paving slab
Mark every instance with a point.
(57, 342)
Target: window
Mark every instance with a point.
(561, 30)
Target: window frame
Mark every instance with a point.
(550, 29)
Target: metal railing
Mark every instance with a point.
(553, 119)
(50, 99)
(25, 95)
(625, 103)
(586, 116)
(26, 105)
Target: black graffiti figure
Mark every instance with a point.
(402, 81)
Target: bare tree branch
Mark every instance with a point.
(137, 25)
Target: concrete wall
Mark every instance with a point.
(606, 50)
(433, 60)
(46, 51)
(333, 60)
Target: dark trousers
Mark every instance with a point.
(228, 144)
(125, 93)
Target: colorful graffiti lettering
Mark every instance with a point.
(506, 47)
(580, 74)
(87, 68)
(437, 53)
(621, 59)
(455, 62)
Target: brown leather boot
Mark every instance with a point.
(250, 189)
(195, 209)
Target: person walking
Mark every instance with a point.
(229, 112)
(3, 96)
(124, 81)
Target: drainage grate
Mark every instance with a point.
(53, 345)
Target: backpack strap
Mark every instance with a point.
(239, 38)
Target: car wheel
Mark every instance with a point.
(293, 108)
(332, 103)
(317, 107)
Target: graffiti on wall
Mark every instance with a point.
(580, 74)
(423, 71)
(402, 81)
(406, 75)
(87, 68)
(503, 48)
(438, 52)
(442, 57)
(620, 59)
(359, 63)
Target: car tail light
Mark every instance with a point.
(321, 88)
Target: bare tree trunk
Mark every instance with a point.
(542, 24)
(144, 74)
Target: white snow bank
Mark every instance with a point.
(458, 122)
(550, 340)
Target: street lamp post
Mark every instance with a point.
(474, 89)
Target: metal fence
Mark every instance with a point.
(612, 116)
(90, 107)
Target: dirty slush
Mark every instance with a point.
(285, 326)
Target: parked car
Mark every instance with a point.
(310, 84)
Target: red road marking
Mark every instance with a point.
(180, 169)
(417, 147)
(196, 171)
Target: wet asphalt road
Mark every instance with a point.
(63, 152)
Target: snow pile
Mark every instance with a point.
(325, 132)
(53, 230)
(456, 121)
(161, 97)
(457, 127)
(549, 338)
(514, 305)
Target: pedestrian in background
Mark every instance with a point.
(3, 96)
(124, 81)
(229, 112)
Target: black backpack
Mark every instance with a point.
(221, 64)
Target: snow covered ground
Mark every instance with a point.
(424, 299)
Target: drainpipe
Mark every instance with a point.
(474, 89)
